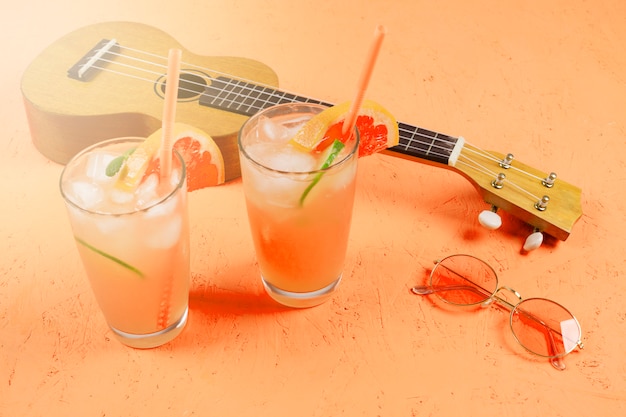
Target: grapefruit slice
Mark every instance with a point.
(378, 129)
(203, 159)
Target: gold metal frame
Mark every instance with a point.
(492, 297)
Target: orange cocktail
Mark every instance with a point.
(299, 209)
(134, 244)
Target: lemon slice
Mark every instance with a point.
(137, 162)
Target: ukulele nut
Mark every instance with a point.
(542, 204)
(499, 181)
(506, 162)
(549, 180)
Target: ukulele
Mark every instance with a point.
(108, 80)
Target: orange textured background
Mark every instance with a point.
(542, 79)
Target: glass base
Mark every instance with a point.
(300, 299)
(152, 340)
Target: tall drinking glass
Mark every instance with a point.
(299, 213)
(134, 245)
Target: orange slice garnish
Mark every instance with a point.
(378, 129)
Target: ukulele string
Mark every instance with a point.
(474, 164)
(199, 67)
(433, 147)
(464, 159)
(248, 86)
(487, 155)
(164, 65)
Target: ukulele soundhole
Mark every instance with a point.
(191, 85)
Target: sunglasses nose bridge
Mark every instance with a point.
(509, 289)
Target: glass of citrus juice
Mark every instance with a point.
(134, 244)
(299, 204)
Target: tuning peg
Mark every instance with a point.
(489, 219)
(533, 241)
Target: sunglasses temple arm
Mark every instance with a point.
(429, 289)
(555, 361)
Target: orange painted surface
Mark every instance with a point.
(543, 80)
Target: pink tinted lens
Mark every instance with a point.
(544, 327)
(464, 280)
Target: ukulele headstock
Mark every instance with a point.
(538, 198)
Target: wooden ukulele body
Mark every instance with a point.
(66, 115)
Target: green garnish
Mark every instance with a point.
(111, 257)
(335, 148)
(115, 165)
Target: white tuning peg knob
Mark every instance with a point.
(489, 219)
(533, 241)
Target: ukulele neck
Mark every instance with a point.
(247, 99)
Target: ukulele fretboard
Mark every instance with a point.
(247, 98)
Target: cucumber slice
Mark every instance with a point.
(335, 148)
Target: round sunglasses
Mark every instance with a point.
(541, 326)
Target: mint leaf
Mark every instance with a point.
(114, 166)
(335, 148)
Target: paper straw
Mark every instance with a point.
(169, 111)
(379, 35)
(167, 127)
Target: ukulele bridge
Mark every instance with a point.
(87, 66)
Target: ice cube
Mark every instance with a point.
(165, 233)
(120, 197)
(271, 130)
(96, 166)
(279, 131)
(343, 177)
(78, 217)
(276, 189)
(256, 151)
(163, 223)
(86, 195)
(281, 158)
(147, 191)
(291, 160)
(114, 225)
(291, 127)
(166, 208)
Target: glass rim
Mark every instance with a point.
(256, 116)
(130, 139)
